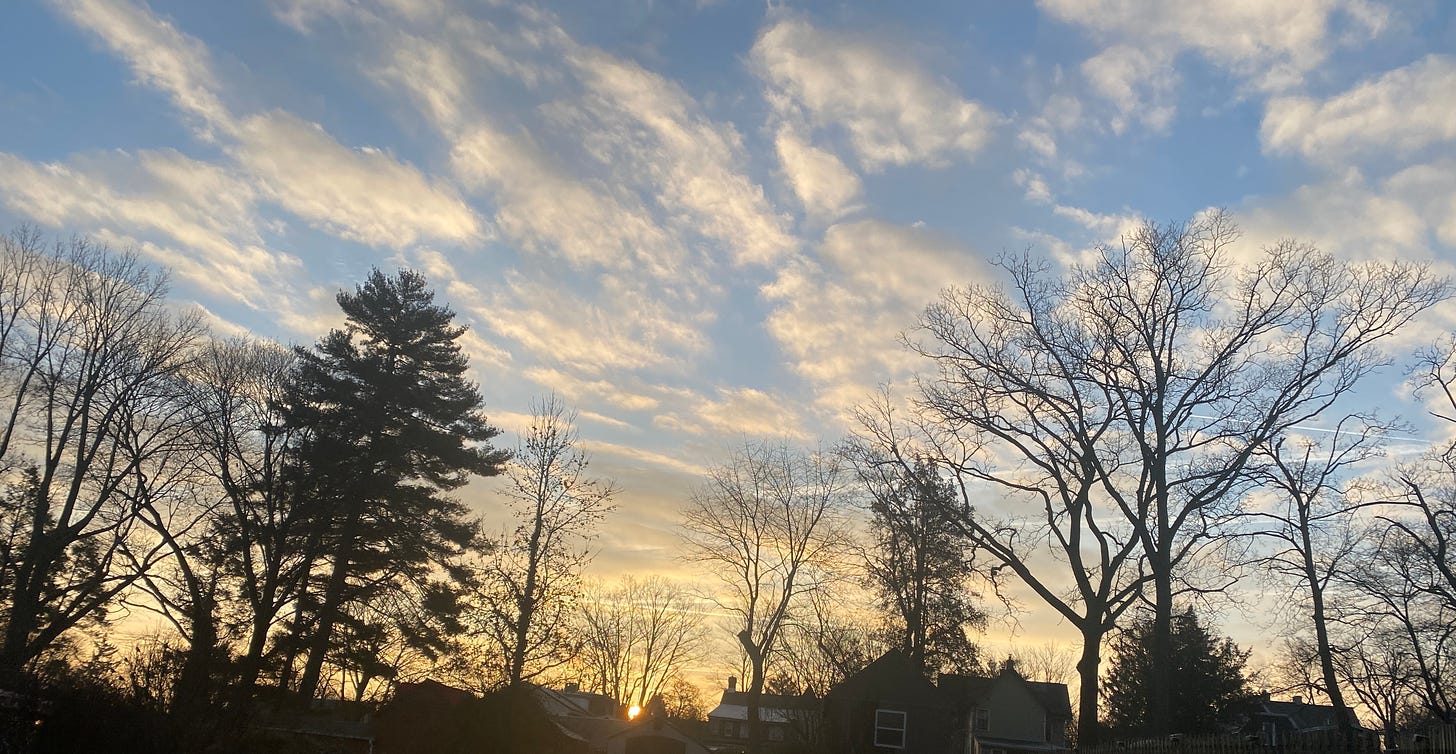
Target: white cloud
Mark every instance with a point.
(161, 56)
(547, 211)
(1352, 219)
(622, 329)
(1036, 187)
(362, 195)
(823, 184)
(1397, 113)
(196, 218)
(693, 162)
(737, 412)
(1274, 44)
(1138, 82)
(578, 389)
(893, 112)
(838, 319)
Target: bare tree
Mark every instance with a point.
(769, 527)
(1141, 383)
(1315, 535)
(826, 642)
(636, 636)
(532, 575)
(1050, 430)
(91, 364)
(266, 541)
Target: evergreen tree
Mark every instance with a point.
(1209, 672)
(390, 424)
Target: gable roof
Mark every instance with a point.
(890, 677)
(1304, 716)
(971, 689)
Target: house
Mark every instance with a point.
(788, 720)
(653, 732)
(1007, 714)
(602, 726)
(434, 717)
(888, 706)
(1277, 723)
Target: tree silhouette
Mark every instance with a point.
(1210, 673)
(390, 423)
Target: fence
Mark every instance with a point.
(1322, 742)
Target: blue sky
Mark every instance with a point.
(698, 221)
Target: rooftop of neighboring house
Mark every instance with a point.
(773, 708)
(571, 701)
(1302, 715)
(968, 689)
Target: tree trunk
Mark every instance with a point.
(318, 645)
(1089, 730)
(755, 692)
(1160, 686)
(1322, 637)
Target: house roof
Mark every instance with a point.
(890, 677)
(654, 724)
(773, 708)
(969, 689)
(1303, 715)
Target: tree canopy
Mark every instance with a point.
(1209, 672)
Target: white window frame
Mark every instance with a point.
(882, 727)
(982, 720)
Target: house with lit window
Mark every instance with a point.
(1007, 714)
(789, 721)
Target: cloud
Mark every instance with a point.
(620, 329)
(547, 211)
(737, 411)
(693, 163)
(195, 217)
(161, 56)
(1036, 187)
(1271, 46)
(823, 184)
(1397, 113)
(1139, 83)
(892, 111)
(363, 195)
(838, 317)
(1353, 219)
(578, 389)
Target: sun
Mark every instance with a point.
(633, 712)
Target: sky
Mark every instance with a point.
(700, 222)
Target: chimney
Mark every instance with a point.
(573, 687)
(1299, 700)
(732, 683)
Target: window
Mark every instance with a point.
(983, 719)
(775, 733)
(890, 728)
(726, 728)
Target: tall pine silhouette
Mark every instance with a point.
(391, 424)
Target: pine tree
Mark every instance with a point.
(390, 424)
(1209, 672)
